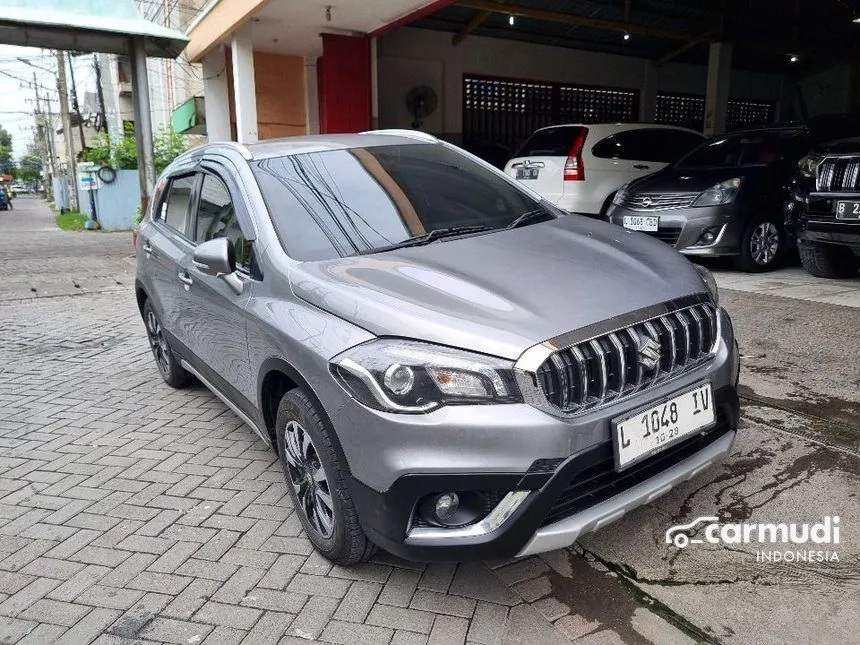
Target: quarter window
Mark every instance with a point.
(216, 217)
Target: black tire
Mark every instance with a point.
(757, 251)
(171, 371)
(828, 260)
(344, 542)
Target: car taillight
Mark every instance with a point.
(574, 168)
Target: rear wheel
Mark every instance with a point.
(171, 371)
(762, 246)
(317, 482)
(828, 260)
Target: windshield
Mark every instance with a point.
(747, 149)
(339, 203)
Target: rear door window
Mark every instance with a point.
(550, 142)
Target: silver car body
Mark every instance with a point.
(506, 294)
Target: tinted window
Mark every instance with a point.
(749, 148)
(342, 202)
(649, 144)
(550, 142)
(174, 208)
(216, 217)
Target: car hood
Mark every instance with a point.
(690, 180)
(502, 292)
(839, 147)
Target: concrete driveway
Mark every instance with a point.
(131, 512)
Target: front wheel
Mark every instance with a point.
(317, 482)
(828, 260)
(762, 246)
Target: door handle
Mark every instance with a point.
(185, 279)
(147, 248)
(641, 166)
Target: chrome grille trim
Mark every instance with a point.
(596, 369)
(835, 174)
(657, 201)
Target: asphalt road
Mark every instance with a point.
(796, 459)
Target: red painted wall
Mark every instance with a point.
(344, 84)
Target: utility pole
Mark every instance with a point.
(67, 127)
(45, 148)
(76, 107)
(103, 125)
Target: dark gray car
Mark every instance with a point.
(446, 365)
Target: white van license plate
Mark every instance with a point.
(641, 223)
(653, 429)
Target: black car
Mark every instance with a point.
(823, 209)
(725, 198)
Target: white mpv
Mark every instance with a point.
(580, 167)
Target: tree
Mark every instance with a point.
(6, 163)
(29, 169)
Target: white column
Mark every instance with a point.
(717, 93)
(215, 96)
(312, 104)
(244, 90)
(374, 85)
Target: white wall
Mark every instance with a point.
(410, 57)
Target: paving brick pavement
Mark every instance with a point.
(132, 512)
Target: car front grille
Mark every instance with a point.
(668, 235)
(657, 201)
(838, 174)
(615, 365)
(599, 482)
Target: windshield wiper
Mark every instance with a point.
(529, 216)
(432, 236)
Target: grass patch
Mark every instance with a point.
(72, 221)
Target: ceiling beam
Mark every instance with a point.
(709, 35)
(472, 25)
(572, 19)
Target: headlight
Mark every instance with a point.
(620, 195)
(722, 193)
(413, 377)
(710, 284)
(809, 165)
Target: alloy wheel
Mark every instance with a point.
(308, 478)
(157, 342)
(764, 243)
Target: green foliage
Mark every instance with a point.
(29, 169)
(5, 150)
(167, 145)
(72, 221)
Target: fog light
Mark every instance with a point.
(708, 237)
(447, 505)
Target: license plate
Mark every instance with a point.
(848, 210)
(527, 173)
(641, 222)
(653, 429)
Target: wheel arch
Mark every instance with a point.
(276, 378)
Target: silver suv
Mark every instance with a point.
(447, 366)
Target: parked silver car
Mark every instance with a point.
(447, 366)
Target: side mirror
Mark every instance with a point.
(218, 258)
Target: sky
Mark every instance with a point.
(17, 95)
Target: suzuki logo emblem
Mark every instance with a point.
(649, 352)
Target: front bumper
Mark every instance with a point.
(683, 228)
(505, 448)
(812, 218)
